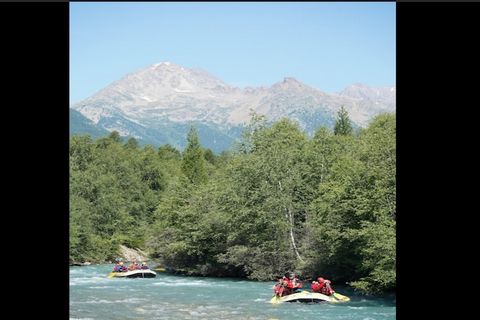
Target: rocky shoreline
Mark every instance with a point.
(127, 254)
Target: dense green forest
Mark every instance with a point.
(277, 201)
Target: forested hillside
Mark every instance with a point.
(278, 201)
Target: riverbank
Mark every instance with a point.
(124, 252)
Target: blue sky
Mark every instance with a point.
(325, 45)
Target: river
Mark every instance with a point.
(94, 296)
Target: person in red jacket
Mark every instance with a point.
(294, 284)
(322, 286)
(287, 285)
(279, 287)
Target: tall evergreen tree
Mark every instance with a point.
(209, 156)
(343, 126)
(115, 136)
(193, 162)
(132, 143)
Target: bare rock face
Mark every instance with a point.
(79, 264)
(130, 254)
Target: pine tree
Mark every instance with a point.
(343, 125)
(132, 143)
(115, 136)
(209, 156)
(193, 162)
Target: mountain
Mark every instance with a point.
(158, 104)
(375, 100)
(79, 124)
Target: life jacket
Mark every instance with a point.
(281, 287)
(119, 268)
(322, 287)
(133, 267)
(278, 289)
(315, 286)
(296, 283)
(326, 291)
(291, 285)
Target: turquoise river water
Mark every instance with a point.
(94, 296)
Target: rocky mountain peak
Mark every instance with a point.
(166, 94)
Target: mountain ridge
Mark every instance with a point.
(166, 94)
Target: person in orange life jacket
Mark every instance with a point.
(322, 286)
(119, 267)
(133, 266)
